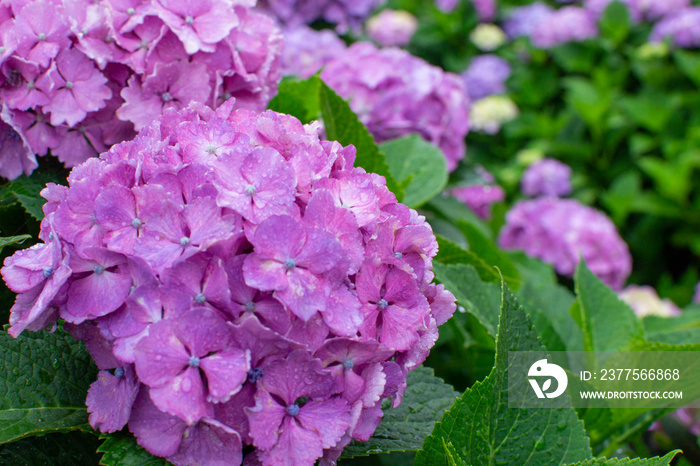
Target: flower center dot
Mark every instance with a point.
(47, 272)
(2, 50)
(290, 264)
(166, 96)
(211, 149)
(184, 241)
(255, 374)
(189, 20)
(250, 306)
(194, 361)
(200, 298)
(348, 364)
(382, 304)
(98, 270)
(136, 223)
(293, 410)
(119, 372)
(398, 255)
(250, 190)
(41, 36)
(130, 11)
(30, 85)
(69, 85)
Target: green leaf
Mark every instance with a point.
(453, 458)
(615, 22)
(9, 240)
(655, 461)
(680, 330)
(299, 99)
(608, 323)
(651, 110)
(452, 209)
(342, 125)
(121, 449)
(451, 253)
(480, 299)
(413, 160)
(45, 378)
(73, 449)
(310, 99)
(26, 190)
(689, 64)
(591, 103)
(405, 427)
(547, 304)
(490, 253)
(485, 431)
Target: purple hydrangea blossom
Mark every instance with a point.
(486, 9)
(547, 177)
(480, 197)
(524, 20)
(680, 27)
(306, 51)
(568, 24)
(649, 9)
(78, 76)
(560, 231)
(395, 93)
(240, 286)
(486, 75)
(392, 28)
(345, 14)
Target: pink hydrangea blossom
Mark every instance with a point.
(395, 93)
(79, 76)
(241, 287)
(561, 231)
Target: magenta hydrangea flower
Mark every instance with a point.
(547, 177)
(480, 197)
(306, 50)
(241, 287)
(560, 231)
(568, 24)
(80, 76)
(486, 75)
(680, 27)
(395, 93)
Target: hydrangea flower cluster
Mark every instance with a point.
(78, 76)
(524, 20)
(485, 9)
(645, 301)
(306, 50)
(649, 9)
(480, 197)
(238, 283)
(345, 14)
(567, 24)
(559, 231)
(547, 177)
(395, 94)
(487, 74)
(680, 27)
(392, 28)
